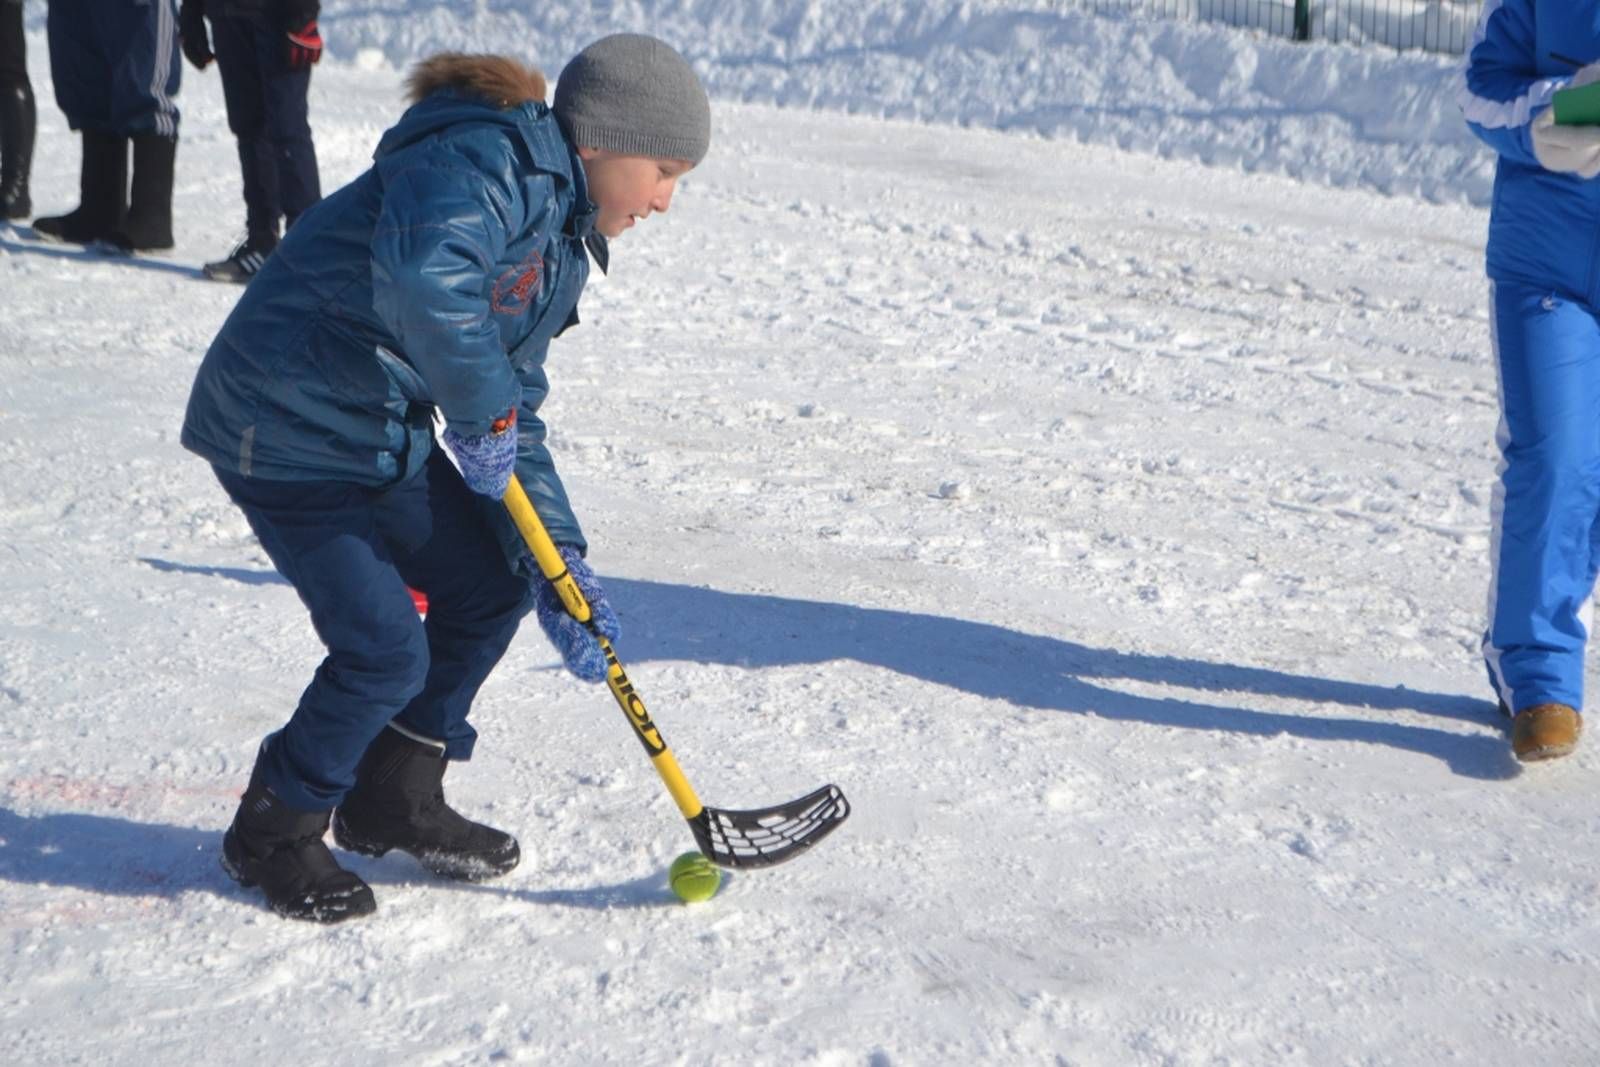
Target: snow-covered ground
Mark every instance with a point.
(1110, 528)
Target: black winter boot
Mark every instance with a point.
(103, 192)
(148, 227)
(398, 802)
(280, 849)
(18, 117)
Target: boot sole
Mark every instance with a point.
(466, 870)
(63, 239)
(113, 248)
(230, 867)
(1534, 755)
(327, 910)
(234, 872)
(461, 869)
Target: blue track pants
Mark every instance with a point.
(1545, 546)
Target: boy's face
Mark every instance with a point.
(628, 188)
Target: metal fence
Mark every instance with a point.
(1430, 25)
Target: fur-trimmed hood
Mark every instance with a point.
(499, 80)
(453, 89)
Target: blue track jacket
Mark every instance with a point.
(1545, 227)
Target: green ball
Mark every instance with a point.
(694, 878)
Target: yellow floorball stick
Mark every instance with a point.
(758, 837)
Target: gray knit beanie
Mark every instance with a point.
(634, 94)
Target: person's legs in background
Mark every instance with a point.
(18, 115)
(144, 83)
(80, 72)
(267, 112)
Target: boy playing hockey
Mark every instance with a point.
(432, 284)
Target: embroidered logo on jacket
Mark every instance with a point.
(515, 289)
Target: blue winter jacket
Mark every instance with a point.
(1544, 228)
(433, 282)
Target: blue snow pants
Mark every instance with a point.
(350, 551)
(268, 114)
(114, 64)
(1545, 547)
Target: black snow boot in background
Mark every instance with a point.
(103, 193)
(398, 802)
(148, 227)
(280, 849)
(18, 118)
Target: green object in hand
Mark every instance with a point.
(1578, 107)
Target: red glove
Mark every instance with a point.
(305, 46)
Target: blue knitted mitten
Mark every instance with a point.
(486, 460)
(580, 652)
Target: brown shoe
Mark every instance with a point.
(1545, 731)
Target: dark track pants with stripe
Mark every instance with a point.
(114, 64)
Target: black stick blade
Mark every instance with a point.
(769, 836)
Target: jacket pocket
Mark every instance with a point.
(412, 389)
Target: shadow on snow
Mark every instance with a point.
(122, 857)
(109, 854)
(233, 574)
(97, 253)
(119, 856)
(700, 625)
(675, 622)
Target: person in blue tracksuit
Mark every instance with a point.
(1543, 262)
(428, 288)
(115, 67)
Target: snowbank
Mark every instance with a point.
(1330, 114)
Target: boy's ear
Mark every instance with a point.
(585, 152)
